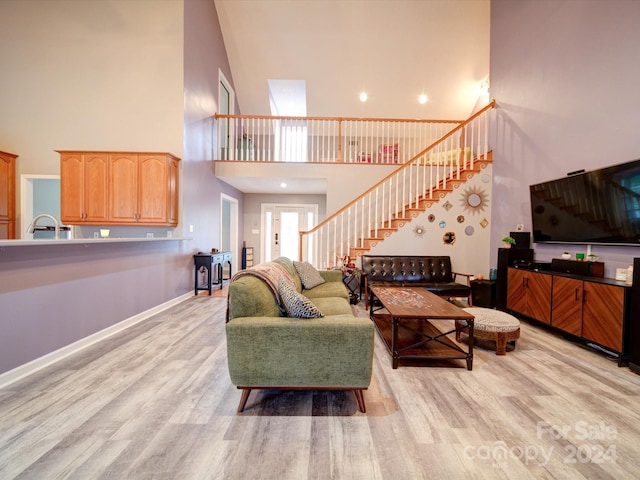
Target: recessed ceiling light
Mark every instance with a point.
(422, 99)
(363, 96)
(283, 185)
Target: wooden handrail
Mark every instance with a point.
(395, 172)
(337, 119)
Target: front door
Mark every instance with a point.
(282, 224)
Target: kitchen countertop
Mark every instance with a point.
(85, 241)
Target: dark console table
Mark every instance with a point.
(211, 262)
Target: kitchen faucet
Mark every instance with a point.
(56, 223)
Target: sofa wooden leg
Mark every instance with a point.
(360, 399)
(243, 399)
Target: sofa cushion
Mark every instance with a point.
(309, 275)
(331, 306)
(328, 290)
(296, 304)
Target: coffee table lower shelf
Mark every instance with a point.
(420, 339)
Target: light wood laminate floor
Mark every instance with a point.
(155, 401)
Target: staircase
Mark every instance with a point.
(400, 219)
(401, 196)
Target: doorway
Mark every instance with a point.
(229, 230)
(38, 194)
(281, 225)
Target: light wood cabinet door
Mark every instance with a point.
(603, 314)
(84, 188)
(174, 172)
(7, 195)
(153, 189)
(96, 187)
(72, 188)
(123, 183)
(566, 301)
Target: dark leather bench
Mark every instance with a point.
(431, 272)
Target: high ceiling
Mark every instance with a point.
(395, 50)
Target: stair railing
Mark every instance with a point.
(394, 200)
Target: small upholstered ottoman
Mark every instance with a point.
(493, 325)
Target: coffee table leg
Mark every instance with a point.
(470, 341)
(394, 343)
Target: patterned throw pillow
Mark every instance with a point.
(295, 304)
(309, 276)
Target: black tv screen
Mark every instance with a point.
(597, 207)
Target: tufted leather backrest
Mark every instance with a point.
(407, 268)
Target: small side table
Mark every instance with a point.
(483, 293)
(214, 265)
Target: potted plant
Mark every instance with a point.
(508, 241)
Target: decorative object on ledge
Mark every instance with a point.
(419, 230)
(508, 241)
(566, 255)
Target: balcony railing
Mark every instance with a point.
(431, 154)
(325, 139)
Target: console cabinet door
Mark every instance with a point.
(603, 314)
(529, 293)
(539, 296)
(566, 301)
(516, 291)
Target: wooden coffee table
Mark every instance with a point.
(406, 321)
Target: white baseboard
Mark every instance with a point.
(33, 366)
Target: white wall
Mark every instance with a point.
(79, 75)
(565, 76)
(470, 252)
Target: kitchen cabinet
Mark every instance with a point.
(529, 293)
(84, 188)
(7, 195)
(119, 188)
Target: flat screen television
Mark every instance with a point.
(596, 207)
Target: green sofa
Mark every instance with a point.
(266, 349)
